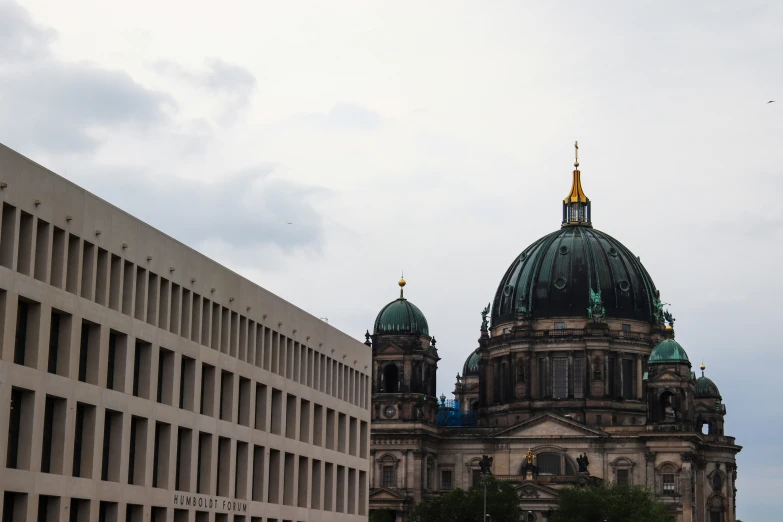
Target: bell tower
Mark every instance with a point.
(405, 364)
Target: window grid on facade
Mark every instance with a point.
(157, 374)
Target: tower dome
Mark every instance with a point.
(668, 351)
(471, 366)
(705, 388)
(565, 272)
(401, 317)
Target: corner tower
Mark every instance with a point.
(405, 363)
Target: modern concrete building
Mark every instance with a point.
(142, 381)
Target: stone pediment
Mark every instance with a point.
(385, 494)
(532, 490)
(549, 425)
(390, 349)
(669, 375)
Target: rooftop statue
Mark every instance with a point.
(485, 464)
(582, 461)
(596, 310)
(658, 311)
(484, 315)
(669, 318)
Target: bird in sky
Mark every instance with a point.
(770, 101)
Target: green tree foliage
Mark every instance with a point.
(613, 503)
(382, 515)
(468, 506)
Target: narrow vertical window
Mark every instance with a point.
(628, 379)
(579, 376)
(560, 377)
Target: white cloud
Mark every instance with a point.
(679, 152)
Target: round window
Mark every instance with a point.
(624, 285)
(560, 283)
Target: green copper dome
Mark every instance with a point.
(706, 389)
(669, 351)
(401, 317)
(471, 365)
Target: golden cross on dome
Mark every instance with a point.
(576, 154)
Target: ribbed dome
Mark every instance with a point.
(400, 317)
(668, 351)
(554, 276)
(471, 366)
(706, 389)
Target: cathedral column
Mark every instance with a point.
(639, 375)
(548, 376)
(649, 471)
(570, 375)
(372, 469)
(405, 469)
(528, 374)
(533, 377)
(490, 382)
(483, 382)
(511, 381)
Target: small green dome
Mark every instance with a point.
(471, 364)
(669, 351)
(706, 389)
(401, 317)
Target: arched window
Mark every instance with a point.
(668, 478)
(388, 471)
(391, 378)
(549, 464)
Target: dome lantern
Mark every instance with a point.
(576, 206)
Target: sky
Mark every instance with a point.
(436, 138)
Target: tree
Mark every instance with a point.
(382, 515)
(613, 503)
(468, 506)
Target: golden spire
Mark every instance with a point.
(702, 367)
(401, 282)
(577, 195)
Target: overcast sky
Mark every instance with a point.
(436, 137)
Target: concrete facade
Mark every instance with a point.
(145, 382)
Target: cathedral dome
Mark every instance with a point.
(668, 351)
(471, 366)
(401, 317)
(574, 269)
(554, 277)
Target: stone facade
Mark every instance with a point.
(578, 362)
(142, 381)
